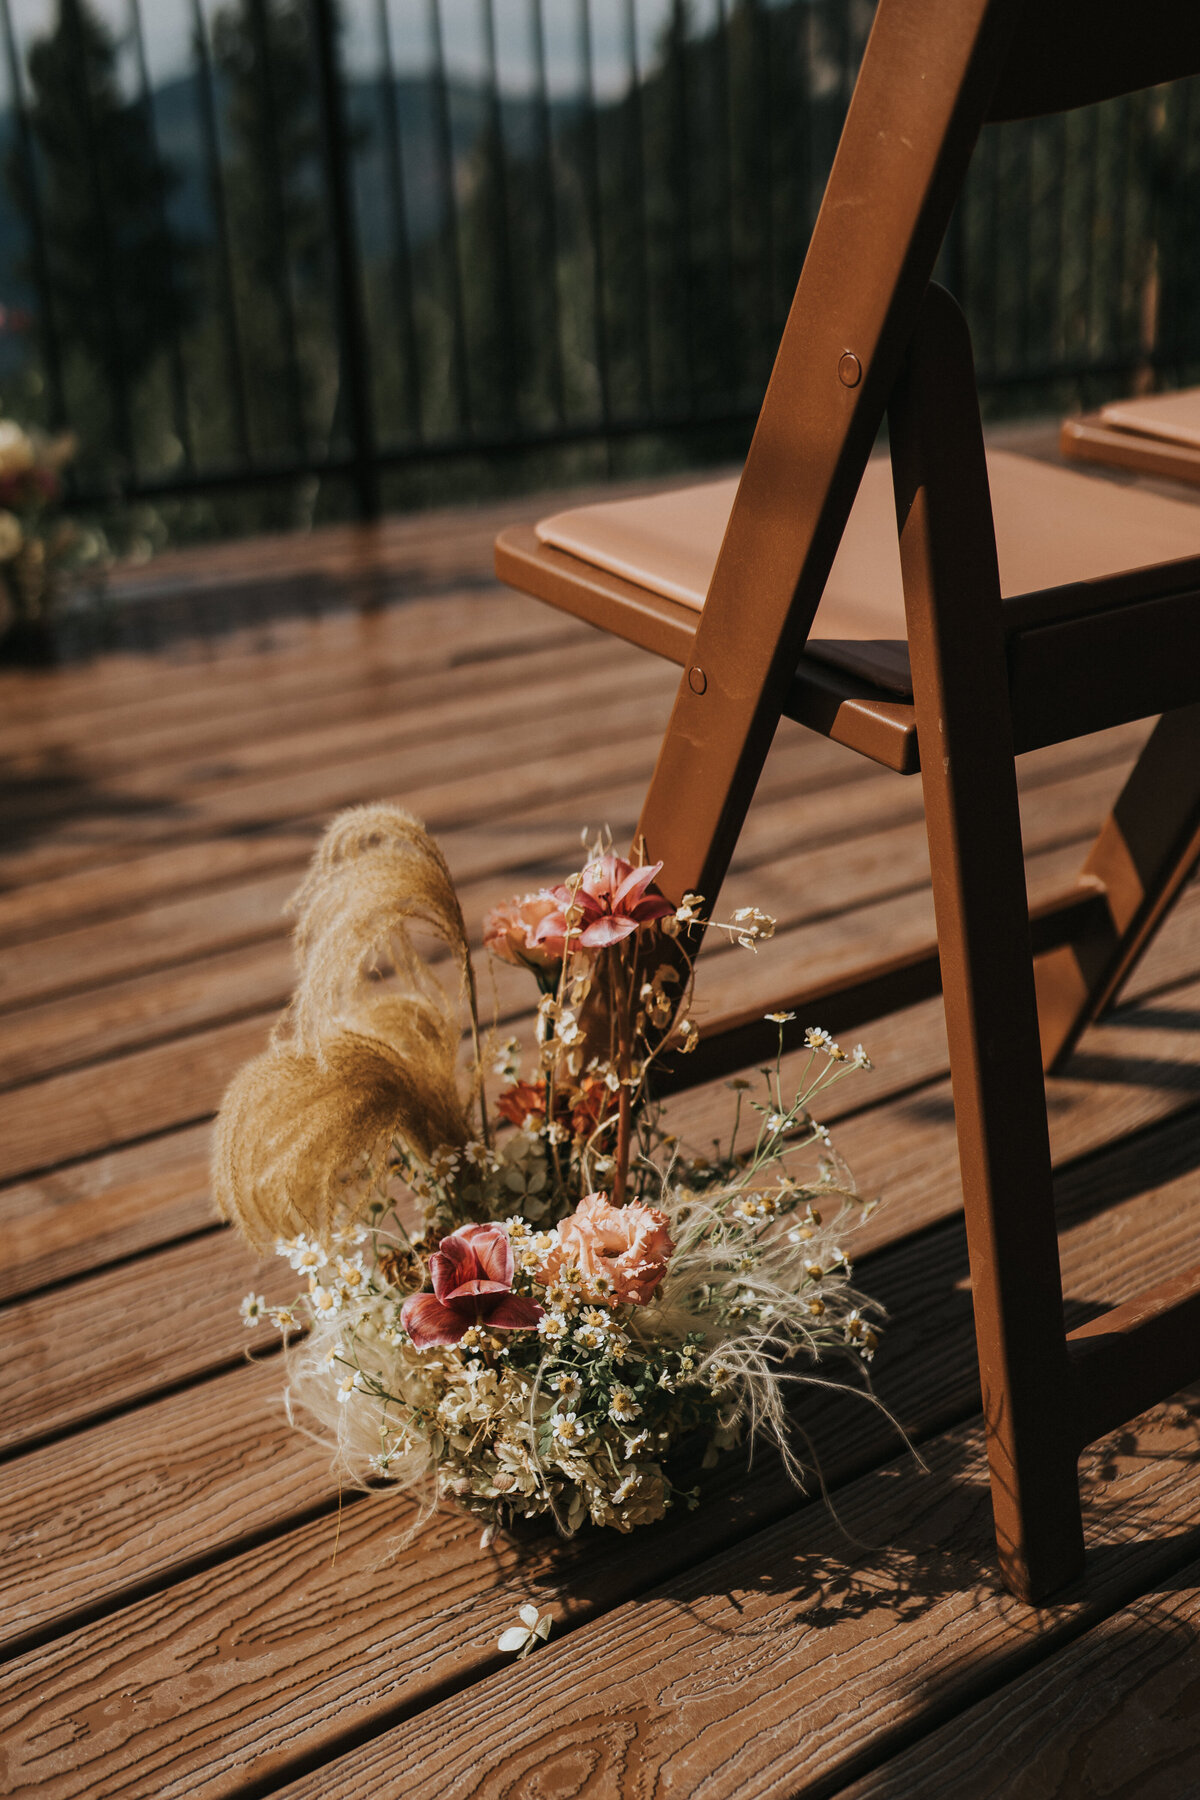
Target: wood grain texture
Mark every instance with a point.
(199, 1629)
(75, 1218)
(129, 1332)
(126, 1013)
(780, 1666)
(148, 1493)
(1113, 1714)
(903, 1146)
(278, 1652)
(89, 1110)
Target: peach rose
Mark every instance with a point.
(628, 1246)
(508, 932)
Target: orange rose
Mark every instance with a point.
(626, 1246)
(508, 932)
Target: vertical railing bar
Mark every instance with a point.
(995, 208)
(677, 76)
(445, 150)
(509, 396)
(636, 165)
(1178, 349)
(179, 394)
(769, 272)
(236, 368)
(116, 382)
(595, 221)
(47, 329)
(1058, 148)
(1122, 337)
(1031, 131)
(1088, 272)
(351, 308)
(401, 235)
(724, 103)
(277, 211)
(545, 158)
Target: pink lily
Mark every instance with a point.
(472, 1273)
(609, 902)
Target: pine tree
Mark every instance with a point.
(118, 280)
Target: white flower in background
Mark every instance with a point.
(566, 1386)
(252, 1309)
(16, 449)
(284, 1318)
(817, 1039)
(533, 1630)
(325, 1301)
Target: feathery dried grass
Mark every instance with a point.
(368, 1049)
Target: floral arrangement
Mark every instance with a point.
(541, 1306)
(38, 545)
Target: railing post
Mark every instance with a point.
(352, 322)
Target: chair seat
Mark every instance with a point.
(1158, 434)
(1061, 537)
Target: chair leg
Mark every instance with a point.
(1147, 848)
(952, 594)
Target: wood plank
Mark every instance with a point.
(800, 765)
(90, 1213)
(281, 648)
(62, 903)
(90, 1110)
(1113, 1713)
(166, 732)
(83, 1215)
(417, 720)
(412, 779)
(83, 1111)
(147, 1495)
(149, 1009)
(124, 1015)
(282, 1655)
(921, 1186)
(412, 645)
(135, 1330)
(792, 1658)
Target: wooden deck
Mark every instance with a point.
(187, 1605)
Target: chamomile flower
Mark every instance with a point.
(252, 1309)
(568, 1430)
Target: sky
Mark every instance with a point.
(167, 28)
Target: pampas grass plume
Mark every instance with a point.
(367, 1051)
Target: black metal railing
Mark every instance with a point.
(278, 257)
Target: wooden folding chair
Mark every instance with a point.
(1038, 607)
(1158, 434)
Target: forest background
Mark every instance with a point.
(342, 260)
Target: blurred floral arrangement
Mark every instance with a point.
(39, 546)
(529, 1308)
